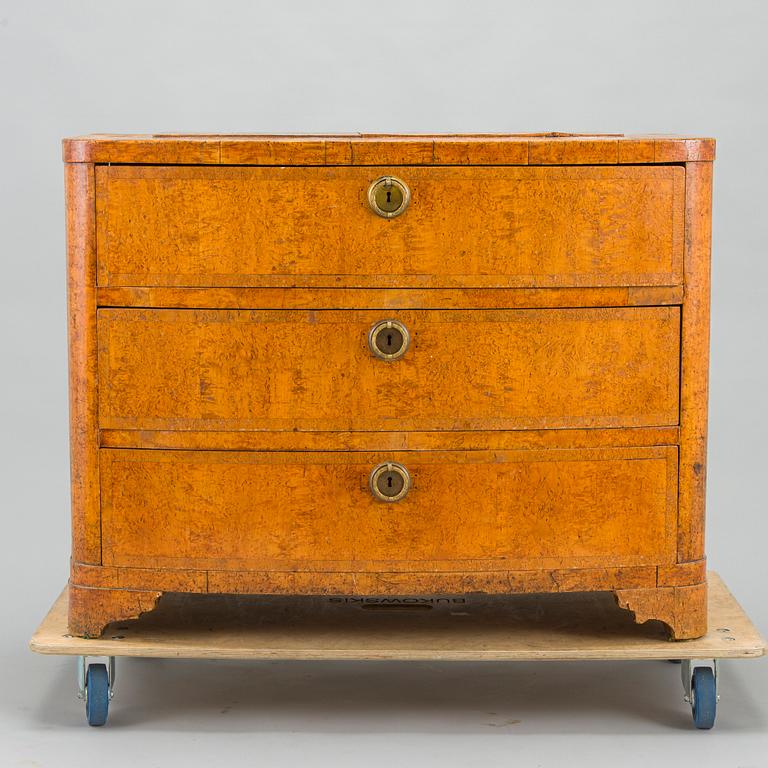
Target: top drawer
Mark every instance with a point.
(464, 227)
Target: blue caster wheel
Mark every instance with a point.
(703, 698)
(97, 694)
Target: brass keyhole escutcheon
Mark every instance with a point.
(389, 340)
(389, 196)
(389, 481)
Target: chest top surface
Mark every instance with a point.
(377, 149)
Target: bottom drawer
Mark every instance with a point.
(314, 511)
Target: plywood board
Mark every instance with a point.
(579, 626)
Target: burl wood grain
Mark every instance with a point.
(386, 149)
(425, 582)
(694, 389)
(682, 609)
(379, 440)
(557, 290)
(450, 579)
(468, 227)
(83, 388)
(682, 574)
(105, 601)
(90, 610)
(528, 369)
(484, 510)
(387, 298)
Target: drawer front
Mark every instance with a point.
(464, 227)
(313, 370)
(474, 510)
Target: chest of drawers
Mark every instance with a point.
(388, 365)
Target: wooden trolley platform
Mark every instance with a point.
(576, 626)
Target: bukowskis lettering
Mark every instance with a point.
(399, 600)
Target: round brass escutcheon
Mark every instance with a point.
(389, 340)
(389, 481)
(389, 196)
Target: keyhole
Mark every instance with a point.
(389, 482)
(388, 197)
(388, 340)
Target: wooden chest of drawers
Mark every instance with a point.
(388, 365)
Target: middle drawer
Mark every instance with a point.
(166, 369)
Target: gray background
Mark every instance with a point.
(78, 67)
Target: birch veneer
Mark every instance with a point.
(388, 365)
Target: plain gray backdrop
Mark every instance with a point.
(697, 68)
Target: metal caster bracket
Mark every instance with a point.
(82, 669)
(686, 673)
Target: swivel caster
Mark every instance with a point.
(700, 683)
(96, 688)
